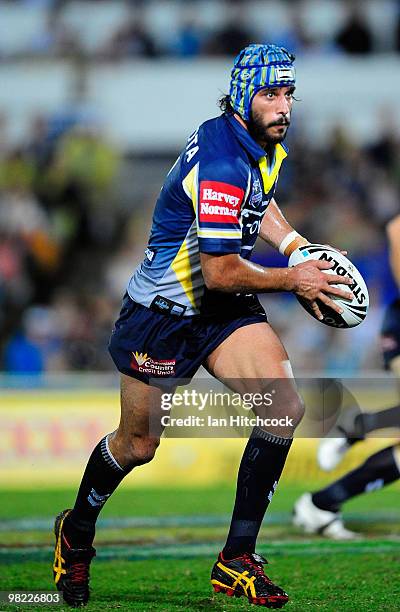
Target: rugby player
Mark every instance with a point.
(319, 512)
(192, 301)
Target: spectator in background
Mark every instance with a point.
(355, 37)
(385, 151)
(189, 38)
(27, 225)
(397, 31)
(118, 267)
(38, 147)
(16, 287)
(131, 40)
(83, 321)
(35, 347)
(16, 171)
(293, 36)
(56, 39)
(83, 174)
(21, 213)
(233, 36)
(44, 3)
(84, 155)
(4, 144)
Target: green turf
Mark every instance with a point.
(166, 568)
(317, 582)
(174, 501)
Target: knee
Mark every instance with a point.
(136, 451)
(287, 406)
(295, 409)
(142, 450)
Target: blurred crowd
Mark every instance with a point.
(114, 30)
(56, 194)
(75, 215)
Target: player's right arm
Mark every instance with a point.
(393, 234)
(232, 274)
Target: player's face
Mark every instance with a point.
(270, 115)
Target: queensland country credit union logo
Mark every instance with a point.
(156, 367)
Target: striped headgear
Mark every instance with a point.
(257, 67)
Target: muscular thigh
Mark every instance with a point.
(253, 351)
(253, 360)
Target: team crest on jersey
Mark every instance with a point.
(219, 202)
(256, 194)
(145, 364)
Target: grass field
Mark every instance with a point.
(156, 548)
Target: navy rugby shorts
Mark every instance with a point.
(390, 333)
(153, 346)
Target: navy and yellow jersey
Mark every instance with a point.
(213, 201)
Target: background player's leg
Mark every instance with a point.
(366, 422)
(251, 360)
(353, 426)
(132, 444)
(378, 470)
(389, 417)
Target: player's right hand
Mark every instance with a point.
(311, 283)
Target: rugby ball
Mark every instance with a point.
(355, 311)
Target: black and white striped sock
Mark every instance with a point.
(102, 476)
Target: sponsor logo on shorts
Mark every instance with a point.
(219, 202)
(145, 364)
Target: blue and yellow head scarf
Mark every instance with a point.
(257, 67)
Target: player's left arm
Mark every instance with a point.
(278, 232)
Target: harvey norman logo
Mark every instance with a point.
(211, 209)
(219, 202)
(210, 194)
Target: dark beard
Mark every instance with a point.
(258, 131)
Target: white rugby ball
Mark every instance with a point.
(355, 311)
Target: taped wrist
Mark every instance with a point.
(291, 241)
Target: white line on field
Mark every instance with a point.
(208, 520)
(205, 549)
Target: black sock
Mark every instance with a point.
(101, 477)
(365, 422)
(260, 469)
(371, 421)
(378, 470)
